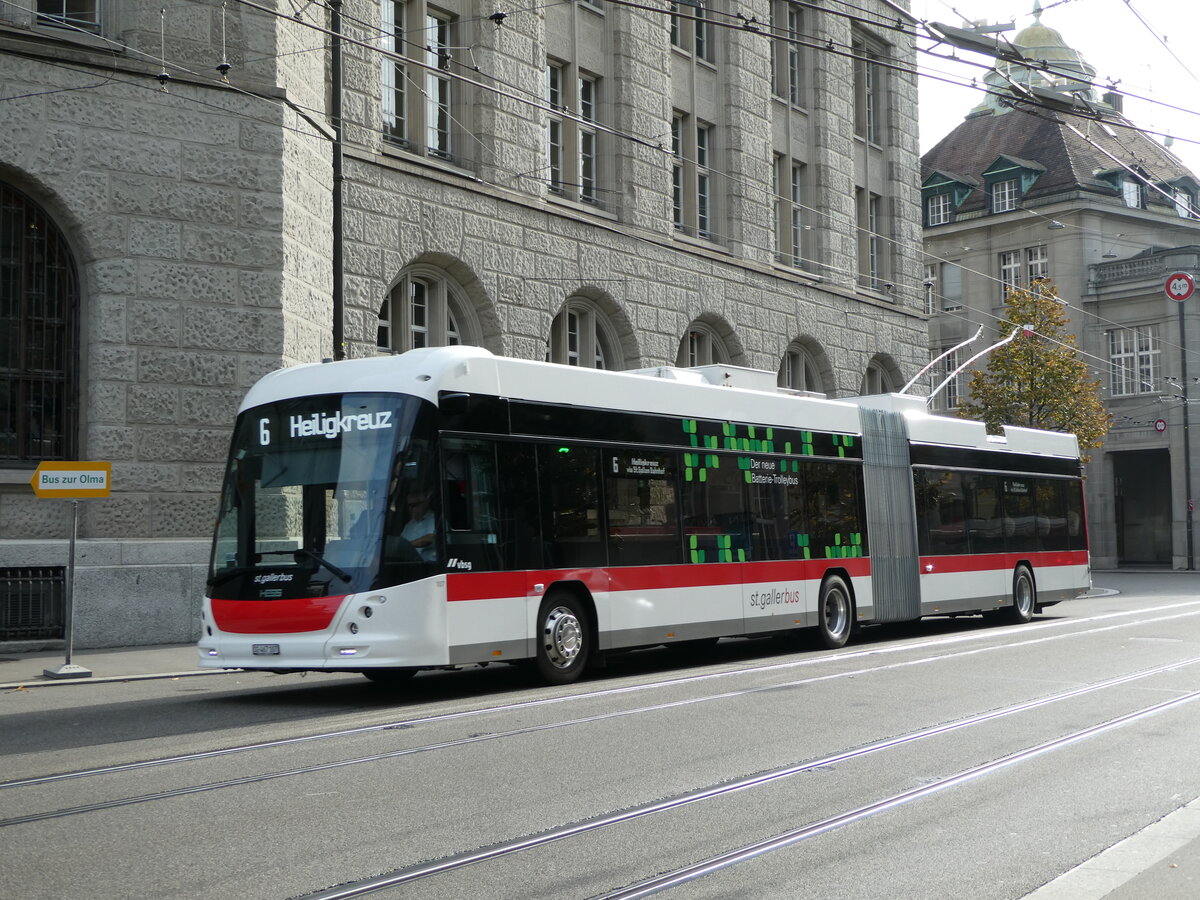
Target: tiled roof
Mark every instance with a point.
(1071, 161)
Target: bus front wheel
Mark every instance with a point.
(835, 613)
(562, 638)
(1024, 599)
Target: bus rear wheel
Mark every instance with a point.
(835, 612)
(1024, 599)
(562, 639)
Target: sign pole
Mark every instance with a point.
(69, 669)
(1180, 286)
(1187, 444)
(70, 481)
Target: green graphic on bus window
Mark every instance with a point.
(724, 550)
(743, 438)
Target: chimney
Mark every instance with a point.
(1115, 100)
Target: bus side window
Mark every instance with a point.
(715, 519)
(985, 521)
(570, 495)
(470, 504)
(643, 522)
(520, 520)
(1020, 521)
(835, 516)
(941, 526)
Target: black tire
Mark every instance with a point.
(1024, 596)
(835, 612)
(389, 677)
(563, 638)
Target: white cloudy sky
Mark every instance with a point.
(1138, 52)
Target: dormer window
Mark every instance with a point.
(1009, 180)
(1185, 203)
(941, 195)
(939, 209)
(1133, 193)
(1006, 195)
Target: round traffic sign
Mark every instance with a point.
(1160, 425)
(1180, 286)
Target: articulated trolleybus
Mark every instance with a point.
(448, 507)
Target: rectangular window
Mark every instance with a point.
(786, 59)
(438, 94)
(1005, 195)
(1010, 272)
(1037, 263)
(1133, 193)
(952, 393)
(554, 127)
(1133, 355)
(587, 139)
(797, 222)
(703, 184)
(703, 43)
(931, 287)
(81, 14)
(677, 171)
(421, 104)
(1184, 204)
(939, 210)
(867, 92)
(395, 74)
(794, 69)
(692, 149)
(951, 287)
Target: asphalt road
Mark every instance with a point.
(951, 758)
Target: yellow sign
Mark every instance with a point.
(72, 480)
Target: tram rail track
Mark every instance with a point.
(449, 864)
(1025, 640)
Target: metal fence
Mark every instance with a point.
(32, 603)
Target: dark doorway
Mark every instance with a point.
(1143, 504)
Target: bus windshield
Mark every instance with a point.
(326, 496)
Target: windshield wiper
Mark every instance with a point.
(315, 557)
(219, 578)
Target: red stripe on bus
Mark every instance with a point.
(275, 616)
(492, 585)
(988, 562)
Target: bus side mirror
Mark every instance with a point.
(454, 404)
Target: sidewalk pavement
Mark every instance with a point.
(1160, 861)
(120, 664)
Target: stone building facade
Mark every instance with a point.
(590, 182)
(1020, 191)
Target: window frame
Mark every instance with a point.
(1134, 359)
(582, 334)
(425, 309)
(1004, 195)
(38, 266)
(422, 103)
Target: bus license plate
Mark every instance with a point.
(265, 649)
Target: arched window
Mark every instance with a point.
(799, 370)
(877, 379)
(39, 304)
(424, 309)
(701, 346)
(581, 335)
